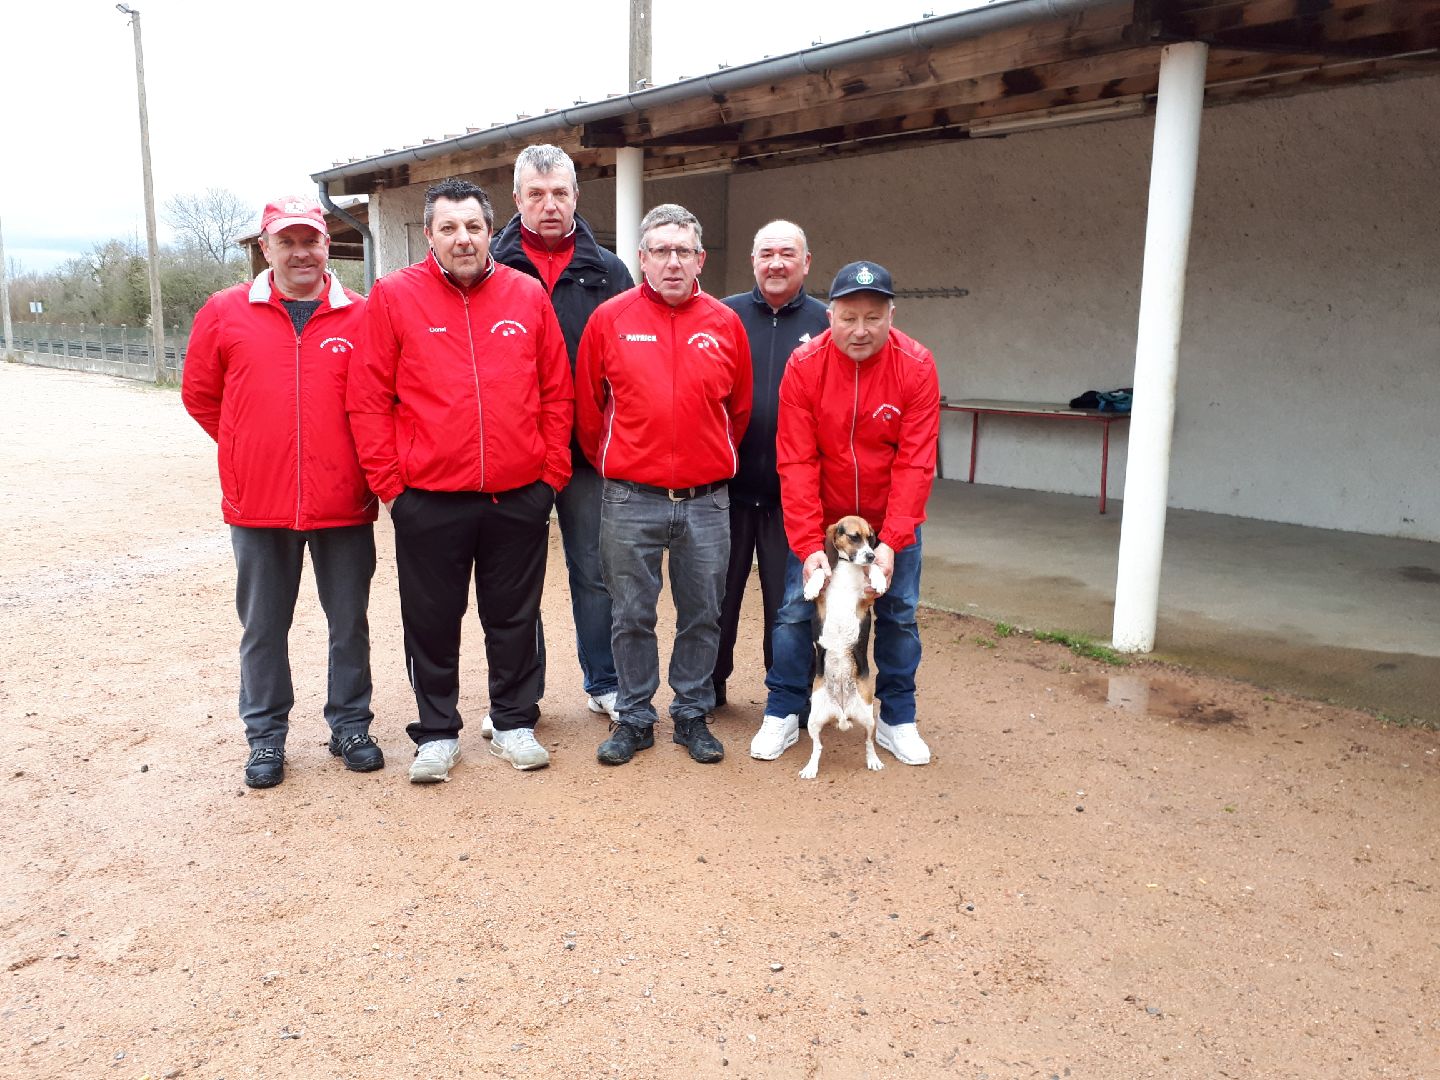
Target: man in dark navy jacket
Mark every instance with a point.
(778, 316)
(549, 241)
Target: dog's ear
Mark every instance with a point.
(871, 537)
(832, 552)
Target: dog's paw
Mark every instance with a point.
(815, 584)
(872, 760)
(878, 584)
(809, 771)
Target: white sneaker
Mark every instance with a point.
(520, 749)
(604, 704)
(904, 741)
(776, 735)
(487, 727)
(434, 760)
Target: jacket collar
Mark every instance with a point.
(648, 291)
(507, 244)
(433, 265)
(262, 290)
(795, 303)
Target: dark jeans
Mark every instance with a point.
(267, 583)
(637, 528)
(440, 538)
(578, 508)
(897, 643)
(757, 533)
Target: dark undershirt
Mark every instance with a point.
(300, 312)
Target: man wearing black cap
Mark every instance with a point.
(858, 423)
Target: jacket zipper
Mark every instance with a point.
(854, 417)
(299, 434)
(475, 374)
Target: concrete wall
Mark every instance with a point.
(1307, 388)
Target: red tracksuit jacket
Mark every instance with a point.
(662, 394)
(460, 389)
(275, 404)
(857, 438)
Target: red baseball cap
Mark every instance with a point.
(292, 210)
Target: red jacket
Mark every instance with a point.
(857, 438)
(275, 404)
(662, 394)
(459, 389)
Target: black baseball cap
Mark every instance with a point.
(862, 277)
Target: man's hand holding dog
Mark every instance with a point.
(815, 570)
(885, 563)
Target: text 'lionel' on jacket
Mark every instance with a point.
(274, 402)
(862, 435)
(773, 336)
(662, 394)
(460, 389)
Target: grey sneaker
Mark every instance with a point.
(487, 727)
(434, 760)
(520, 748)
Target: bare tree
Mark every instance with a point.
(210, 221)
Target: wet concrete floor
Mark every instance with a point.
(1335, 616)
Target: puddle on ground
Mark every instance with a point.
(1154, 697)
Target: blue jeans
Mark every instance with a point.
(268, 563)
(636, 529)
(578, 508)
(897, 643)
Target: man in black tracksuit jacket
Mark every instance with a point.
(551, 243)
(778, 316)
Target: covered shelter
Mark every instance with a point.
(1074, 194)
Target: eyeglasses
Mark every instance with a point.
(684, 254)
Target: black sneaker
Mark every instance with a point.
(694, 735)
(266, 767)
(358, 751)
(624, 741)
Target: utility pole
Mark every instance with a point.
(630, 160)
(10, 349)
(157, 319)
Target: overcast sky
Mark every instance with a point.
(255, 96)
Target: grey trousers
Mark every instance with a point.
(267, 583)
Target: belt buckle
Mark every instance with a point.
(670, 493)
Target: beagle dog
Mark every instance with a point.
(844, 689)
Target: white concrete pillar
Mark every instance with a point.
(1157, 349)
(629, 205)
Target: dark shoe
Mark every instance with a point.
(695, 736)
(624, 741)
(266, 767)
(719, 693)
(358, 751)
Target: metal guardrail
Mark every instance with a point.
(125, 351)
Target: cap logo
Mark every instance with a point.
(863, 276)
(295, 206)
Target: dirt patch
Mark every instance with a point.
(1076, 887)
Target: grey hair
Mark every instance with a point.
(804, 243)
(670, 214)
(545, 159)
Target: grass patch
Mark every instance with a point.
(1004, 629)
(1408, 722)
(1083, 646)
(985, 642)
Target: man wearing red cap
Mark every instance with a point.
(265, 375)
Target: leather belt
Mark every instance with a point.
(679, 494)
